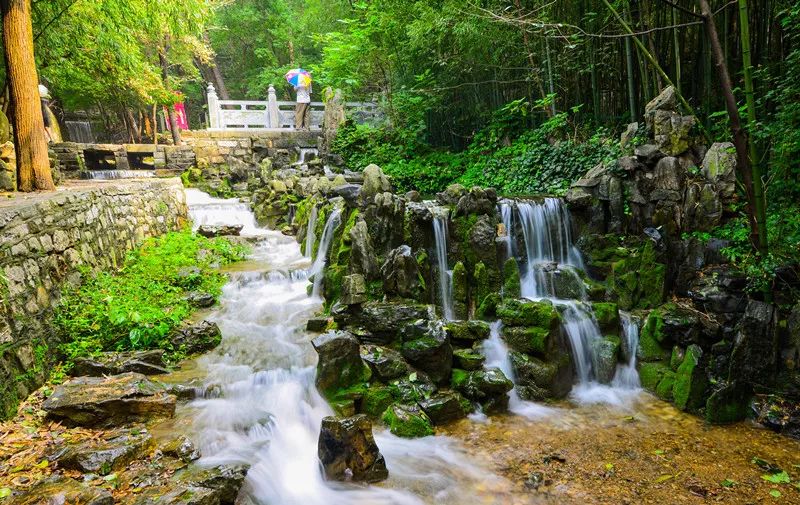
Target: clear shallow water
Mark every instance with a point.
(261, 406)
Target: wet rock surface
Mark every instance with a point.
(114, 452)
(211, 231)
(114, 363)
(119, 399)
(197, 338)
(347, 450)
(63, 490)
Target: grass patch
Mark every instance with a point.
(138, 306)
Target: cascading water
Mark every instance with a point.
(626, 376)
(205, 210)
(80, 131)
(497, 356)
(311, 235)
(550, 251)
(307, 154)
(440, 233)
(317, 269)
(261, 407)
(111, 175)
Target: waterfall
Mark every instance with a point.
(547, 230)
(205, 210)
(497, 356)
(506, 213)
(311, 235)
(441, 234)
(306, 154)
(80, 131)
(318, 268)
(627, 377)
(550, 252)
(264, 410)
(110, 175)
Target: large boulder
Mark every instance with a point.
(354, 289)
(538, 380)
(386, 363)
(210, 231)
(385, 217)
(197, 485)
(103, 456)
(400, 274)
(691, 381)
(375, 182)
(408, 421)
(755, 352)
(340, 365)
(62, 490)
(719, 167)
(384, 320)
(347, 450)
(92, 401)
(362, 255)
(113, 363)
(444, 406)
(430, 352)
(197, 338)
(477, 201)
(605, 355)
(489, 387)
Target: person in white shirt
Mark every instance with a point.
(301, 113)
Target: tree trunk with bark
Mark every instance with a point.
(30, 137)
(758, 228)
(171, 117)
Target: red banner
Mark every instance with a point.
(180, 116)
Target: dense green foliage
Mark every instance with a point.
(505, 155)
(138, 306)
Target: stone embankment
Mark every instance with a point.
(45, 241)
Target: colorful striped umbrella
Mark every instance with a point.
(298, 77)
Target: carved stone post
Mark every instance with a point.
(272, 109)
(213, 107)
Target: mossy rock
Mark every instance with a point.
(460, 289)
(530, 340)
(665, 386)
(468, 359)
(468, 331)
(637, 282)
(516, 312)
(512, 287)
(376, 400)
(480, 278)
(675, 360)
(606, 356)
(458, 378)
(407, 421)
(691, 382)
(650, 338)
(651, 374)
(607, 316)
(488, 307)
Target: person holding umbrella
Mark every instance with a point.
(301, 80)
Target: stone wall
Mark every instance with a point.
(46, 238)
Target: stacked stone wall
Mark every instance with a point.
(46, 239)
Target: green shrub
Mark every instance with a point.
(139, 305)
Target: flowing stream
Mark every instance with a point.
(259, 405)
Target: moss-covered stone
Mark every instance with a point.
(637, 282)
(376, 400)
(664, 388)
(651, 374)
(468, 331)
(481, 287)
(511, 281)
(488, 307)
(528, 339)
(607, 316)
(729, 404)
(407, 421)
(458, 378)
(468, 359)
(691, 382)
(606, 355)
(516, 312)
(650, 338)
(460, 282)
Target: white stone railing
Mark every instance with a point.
(272, 114)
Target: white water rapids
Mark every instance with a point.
(261, 407)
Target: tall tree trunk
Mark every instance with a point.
(631, 78)
(743, 167)
(759, 199)
(171, 117)
(550, 75)
(677, 49)
(30, 137)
